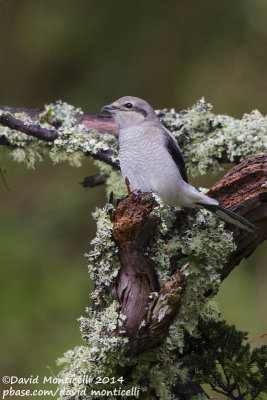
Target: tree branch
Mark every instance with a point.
(94, 180)
(107, 157)
(4, 141)
(206, 140)
(31, 129)
(242, 189)
(99, 122)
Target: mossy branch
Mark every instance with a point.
(242, 189)
(154, 267)
(56, 124)
(31, 129)
(206, 140)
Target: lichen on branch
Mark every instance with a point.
(73, 142)
(104, 331)
(207, 140)
(155, 267)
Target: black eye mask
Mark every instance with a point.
(140, 110)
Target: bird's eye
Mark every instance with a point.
(128, 105)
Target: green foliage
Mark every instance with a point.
(217, 355)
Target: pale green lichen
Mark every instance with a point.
(204, 137)
(74, 141)
(205, 247)
(103, 260)
(115, 182)
(157, 251)
(29, 155)
(79, 139)
(100, 358)
(210, 311)
(59, 113)
(104, 353)
(24, 148)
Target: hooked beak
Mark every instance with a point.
(109, 108)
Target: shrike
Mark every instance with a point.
(151, 159)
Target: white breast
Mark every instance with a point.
(146, 162)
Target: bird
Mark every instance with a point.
(151, 160)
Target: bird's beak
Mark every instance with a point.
(109, 108)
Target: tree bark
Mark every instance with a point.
(242, 189)
(99, 122)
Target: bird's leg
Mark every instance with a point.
(127, 183)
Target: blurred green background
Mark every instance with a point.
(88, 53)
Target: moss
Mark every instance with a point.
(28, 155)
(203, 247)
(204, 137)
(206, 245)
(74, 141)
(78, 139)
(157, 251)
(100, 358)
(115, 182)
(24, 148)
(59, 114)
(103, 259)
(104, 353)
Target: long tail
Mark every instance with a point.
(229, 216)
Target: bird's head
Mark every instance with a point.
(129, 111)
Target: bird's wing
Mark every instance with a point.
(173, 148)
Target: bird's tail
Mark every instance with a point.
(229, 216)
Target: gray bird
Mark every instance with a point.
(151, 159)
